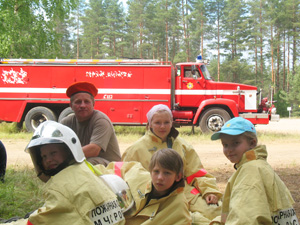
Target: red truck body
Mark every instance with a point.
(34, 91)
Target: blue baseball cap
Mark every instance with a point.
(235, 126)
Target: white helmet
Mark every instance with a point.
(51, 132)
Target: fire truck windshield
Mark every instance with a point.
(205, 72)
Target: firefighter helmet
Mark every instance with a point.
(121, 189)
(51, 132)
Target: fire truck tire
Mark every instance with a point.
(213, 119)
(66, 112)
(38, 115)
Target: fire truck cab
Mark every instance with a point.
(33, 90)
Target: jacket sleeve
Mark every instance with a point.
(57, 208)
(129, 154)
(248, 200)
(196, 175)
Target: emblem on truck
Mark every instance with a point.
(190, 85)
(14, 77)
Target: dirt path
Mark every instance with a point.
(281, 154)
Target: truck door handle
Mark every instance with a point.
(184, 81)
(146, 97)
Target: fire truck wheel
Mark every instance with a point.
(213, 119)
(36, 116)
(66, 112)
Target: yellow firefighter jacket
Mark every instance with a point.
(169, 210)
(77, 196)
(255, 194)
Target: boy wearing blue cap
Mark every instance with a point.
(254, 194)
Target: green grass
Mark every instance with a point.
(10, 130)
(20, 193)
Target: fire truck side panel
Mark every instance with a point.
(8, 110)
(126, 93)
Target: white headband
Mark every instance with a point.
(156, 108)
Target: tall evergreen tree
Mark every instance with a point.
(236, 33)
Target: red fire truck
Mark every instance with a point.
(33, 90)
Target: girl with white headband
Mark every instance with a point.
(200, 187)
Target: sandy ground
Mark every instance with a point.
(281, 154)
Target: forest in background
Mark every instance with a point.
(252, 42)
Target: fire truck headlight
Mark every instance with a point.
(273, 111)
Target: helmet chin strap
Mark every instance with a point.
(56, 170)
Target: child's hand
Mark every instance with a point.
(211, 199)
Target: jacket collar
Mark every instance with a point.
(172, 135)
(258, 152)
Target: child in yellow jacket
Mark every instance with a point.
(158, 196)
(73, 192)
(254, 194)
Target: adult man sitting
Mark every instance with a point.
(94, 129)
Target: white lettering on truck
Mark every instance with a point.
(110, 74)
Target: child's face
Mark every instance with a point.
(161, 124)
(163, 179)
(53, 155)
(234, 146)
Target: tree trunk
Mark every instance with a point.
(278, 60)
(141, 40)
(218, 43)
(272, 57)
(283, 69)
(184, 29)
(261, 47)
(288, 65)
(167, 49)
(187, 34)
(255, 59)
(202, 35)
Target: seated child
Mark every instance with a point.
(73, 192)
(158, 195)
(254, 194)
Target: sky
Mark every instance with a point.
(124, 3)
